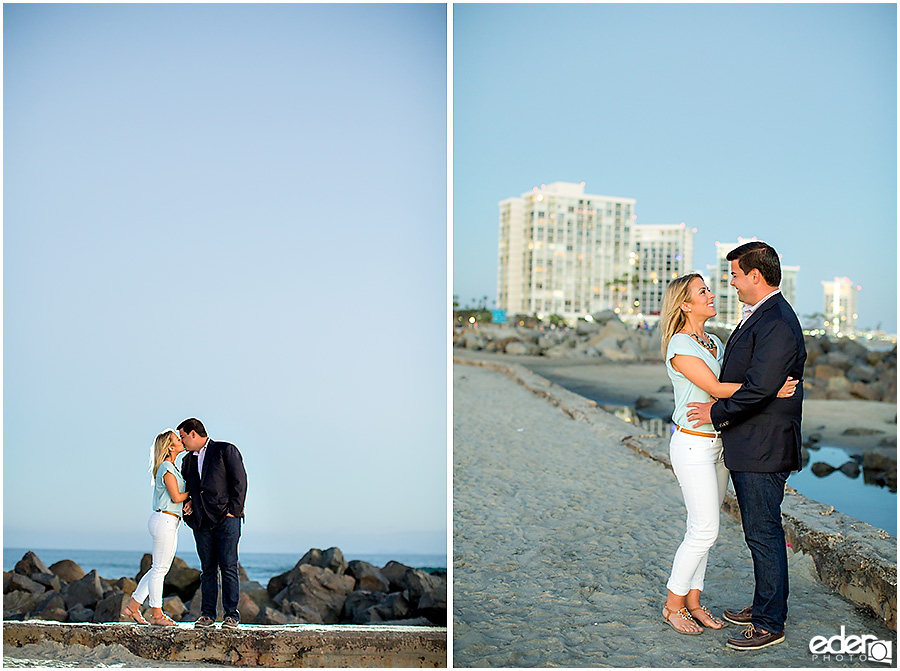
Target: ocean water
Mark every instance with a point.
(260, 566)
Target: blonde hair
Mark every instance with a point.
(160, 450)
(671, 316)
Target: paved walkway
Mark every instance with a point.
(563, 541)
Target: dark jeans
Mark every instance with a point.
(759, 496)
(217, 546)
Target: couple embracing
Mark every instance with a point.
(737, 411)
(207, 493)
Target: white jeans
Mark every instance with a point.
(164, 529)
(700, 469)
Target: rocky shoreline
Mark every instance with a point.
(322, 588)
(836, 368)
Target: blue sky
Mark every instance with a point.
(770, 120)
(238, 213)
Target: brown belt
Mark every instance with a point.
(702, 434)
(167, 512)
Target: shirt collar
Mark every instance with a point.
(750, 309)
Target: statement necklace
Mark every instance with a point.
(710, 345)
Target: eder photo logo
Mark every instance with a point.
(860, 648)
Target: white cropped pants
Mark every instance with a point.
(164, 530)
(700, 468)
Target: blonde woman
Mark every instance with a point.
(168, 500)
(693, 361)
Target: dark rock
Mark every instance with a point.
(297, 612)
(586, 328)
(821, 469)
(395, 571)
(368, 577)
(321, 591)
(174, 607)
(890, 441)
(839, 360)
(332, 559)
(866, 392)
(23, 583)
(854, 431)
(256, 593)
(826, 372)
(278, 583)
(53, 607)
(358, 607)
(110, 608)
(87, 591)
(644, 402)
(126, 585)
(67, 570)
(50, 581)
(428, 595)
(30, 564)
(19, 602)
(850, 469)
(873, 461)
(393, 607)
(269, 615)
(81, 614)
(248, 608)
(181, 580)
(861, 373)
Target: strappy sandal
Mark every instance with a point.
(164, 621)
(709, 615)
(134, 615)
(685, 615)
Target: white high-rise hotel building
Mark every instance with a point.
(565, 252)
(840, 305)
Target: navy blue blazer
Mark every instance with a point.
(760, 432)
(222, 489)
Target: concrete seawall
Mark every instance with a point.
(300, 645)
(853, 558)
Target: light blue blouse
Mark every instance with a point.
(685, 390)
(161, 498)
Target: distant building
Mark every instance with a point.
(789, 284)
(728, 306)
(562, 251)
(662, 253)
(840, 305)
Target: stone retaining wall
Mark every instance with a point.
(853, 558)
(252, 645)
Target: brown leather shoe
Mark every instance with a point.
(754, 639)
(742, 616)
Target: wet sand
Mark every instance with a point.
(564, 538)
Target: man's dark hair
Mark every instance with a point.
(192, 424)
(761, 256)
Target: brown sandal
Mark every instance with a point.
(685, 615)
(709, 615)
(134, 615)
(164, 621)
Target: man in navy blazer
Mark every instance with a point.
(215, 477)
(760, 432)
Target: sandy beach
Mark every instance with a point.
(563, 541)
(856, 426)
(55, 655)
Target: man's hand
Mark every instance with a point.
(229, 515)
(699, 413)
(188, 507)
